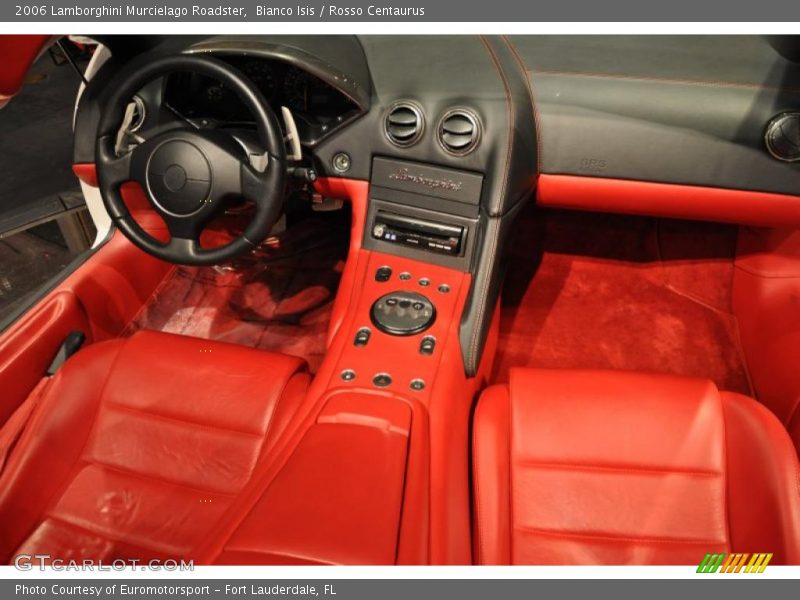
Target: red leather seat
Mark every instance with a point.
(599, 467)
(140, 446)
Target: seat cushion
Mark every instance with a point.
(603, 467)
(141, 445)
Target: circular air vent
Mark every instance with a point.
(783, 137)
(459, 131)
(404, 123)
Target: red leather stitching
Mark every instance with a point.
(178, 421)
(665, 80)
(534, 105)
(475, 341)
(167, 549)
(149, 477)
(643, 469)
(610, 537)
(66, 524)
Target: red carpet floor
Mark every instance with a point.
(607, 291)
(279, 298)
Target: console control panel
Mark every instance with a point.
(403, 313)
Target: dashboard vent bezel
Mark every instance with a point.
(776, 124)
(412, 107)
(476, 133)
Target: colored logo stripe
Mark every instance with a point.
(710, 563)
(734, 563)
(759, 563)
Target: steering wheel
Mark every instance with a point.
(188, 173)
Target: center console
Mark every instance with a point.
(418, 233)
(381, 466)
(423, 212)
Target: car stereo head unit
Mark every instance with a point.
(418, 233)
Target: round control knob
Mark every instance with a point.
(783, 137)
(402, 313)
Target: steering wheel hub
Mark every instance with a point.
(175, 178)
(179, 177)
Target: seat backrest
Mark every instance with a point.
(602, 467)
(141, 445)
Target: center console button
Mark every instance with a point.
(382, 380)
(427, 345)
(417, 385)
(362, 337)
(383, 274)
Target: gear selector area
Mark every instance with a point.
(403, 313)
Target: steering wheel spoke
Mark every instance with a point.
(181, 246)
(113, 170)
(258, 185)
(118, 169)
(253, 185)
(183, 227)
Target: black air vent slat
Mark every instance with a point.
(459, 132)
(460, 125)
(403, 117)
(456, 141)
(403, 125)
(403, 133)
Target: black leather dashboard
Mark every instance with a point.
(667, 109)
(672, 109)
